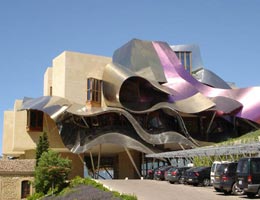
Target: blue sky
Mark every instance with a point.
(32, 33)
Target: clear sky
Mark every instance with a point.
(32, 33)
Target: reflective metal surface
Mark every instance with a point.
(178, 78)
(197, 62)
(199, 71)
(74, 128)
(207, 77)
(148, 93)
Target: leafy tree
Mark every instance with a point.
(52, 172)
(42, 146)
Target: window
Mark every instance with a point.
(50, 90)
(25, 189)
(94, 90)
(242, 166)
(34, 120)
(185, 58)
(255, 165)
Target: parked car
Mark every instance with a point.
(225, 179)
(198, 176)
(159, 173)
(150, 174)
(174, 174)
(167, 173)
(248, 176)
(183, 178)
(213, 169)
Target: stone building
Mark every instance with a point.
(15, 178)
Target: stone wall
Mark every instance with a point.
(10, 186)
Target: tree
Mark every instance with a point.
(42, 146)
(52, 172)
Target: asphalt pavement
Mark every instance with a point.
(162, 190)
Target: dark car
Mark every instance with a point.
(159, 173)
(248, 176)
(198, 176)
(174, 174)
(150, 174)
(225, 179)
(184, 176)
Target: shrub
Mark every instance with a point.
(51, 173)
(35, 196)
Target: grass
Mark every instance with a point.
(85, 189)
(246, 138)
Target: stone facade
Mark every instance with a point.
(67, 78)
(15, 179)
(11, 186)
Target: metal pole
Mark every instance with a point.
(108, 173)
(210, 123)
(132, 161)
(99, 155)
(92, 163)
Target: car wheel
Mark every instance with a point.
(206, 182)
(217, 189)
(236, 190)
(250, 195)
(227, 192)
(258, 192)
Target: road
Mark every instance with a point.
(162, 190)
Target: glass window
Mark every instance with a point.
(97, 85)
(188, 67)
(221, 168)
(51, 91)
(182, 58)
(185, 58)
(34, 120)
(88, 94)
(255, 164)
(93, 90)
(177, 54)
(242, 166)
(89, 84)
(93, 96)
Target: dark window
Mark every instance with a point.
(255, 164)
(34, 120)
(185, 58)
(242, 166)
(188, 61)
(25, 189)
(51, 91)
(94, 90)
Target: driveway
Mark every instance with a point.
(162, 190)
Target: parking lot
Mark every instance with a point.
(162, 190)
